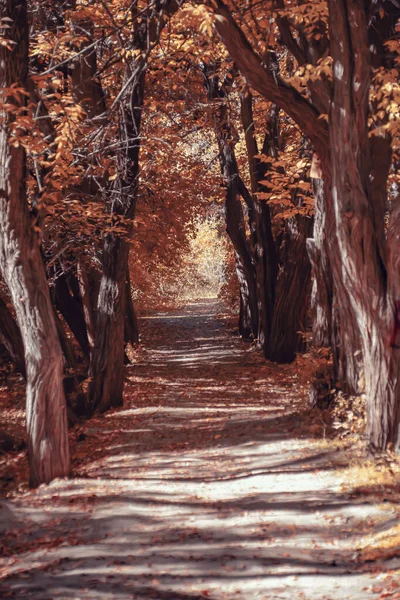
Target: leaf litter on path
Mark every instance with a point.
(214, 480)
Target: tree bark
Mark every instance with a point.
(71, 309)
(333, 321)
(292, 296)
(264, 249)
(372, 287)
(88, 291)
(282, 298)
(24, 273)
(106, 369)
(234, 217)
(11, 337)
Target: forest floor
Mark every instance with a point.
(213, 481)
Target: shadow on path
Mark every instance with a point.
(207, 484)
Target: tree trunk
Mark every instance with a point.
(86, 86)
(11, 337)
(321, 296)
(245, 324)
(248, 325)
(372, 287)
(107, 364)
(24, 273)
(264, 250)
(235, 224)
(333, 323)
(106, 369)
(292, 294)
(88, 291)
(71, 309)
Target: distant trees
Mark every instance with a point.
(273, 269)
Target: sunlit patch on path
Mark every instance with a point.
(204, 485)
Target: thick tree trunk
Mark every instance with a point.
(333, 323)
(10, 335)
(107, 364)
(371, 285)
(86, 86)
(292, 294)
(24, 273)
(322, 288)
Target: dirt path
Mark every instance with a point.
(205, 485)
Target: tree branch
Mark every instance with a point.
(268, 83)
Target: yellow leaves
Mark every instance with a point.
(203, 17)
(309, 73)
(310, 16)
(43, 45)
(131, 53)
(385, 98)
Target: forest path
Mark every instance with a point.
(205, 485)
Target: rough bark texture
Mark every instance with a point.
(292, 294)
(322, 289)
(86, 87)
(24, 273)
(333, 321)
(370, 285)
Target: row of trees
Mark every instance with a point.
(350, 114)
(94, 90)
